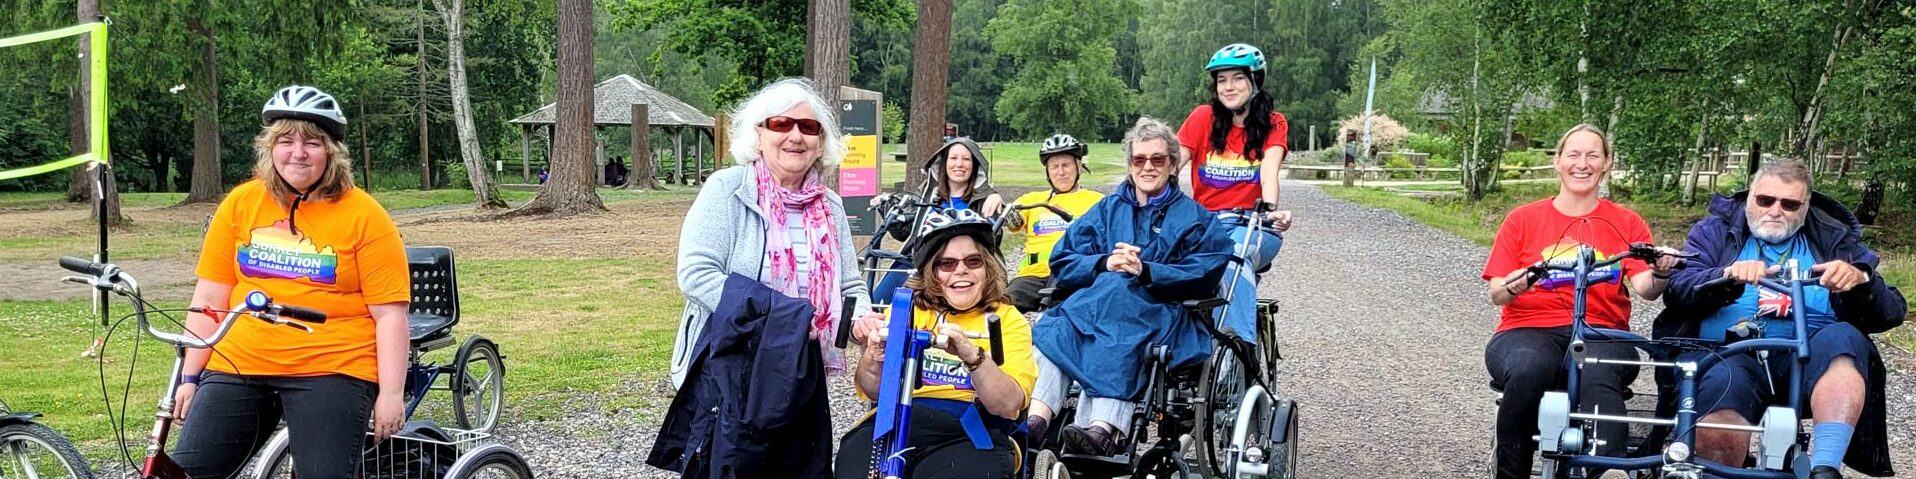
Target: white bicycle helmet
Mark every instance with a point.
(309, 104)
(1061, 143)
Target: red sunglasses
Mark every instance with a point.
(951, 264)
(784, 124)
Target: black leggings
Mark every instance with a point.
(1524, 363)
(940, 450)
(232, 416)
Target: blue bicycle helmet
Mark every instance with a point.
(941, 225)
(1236, 55)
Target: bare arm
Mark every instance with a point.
(1268, 172)
(209, 295)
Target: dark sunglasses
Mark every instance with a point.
(948, 265)
(784, 124)
(1155, 160)
(1765, 201)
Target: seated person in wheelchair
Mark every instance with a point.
(958, 279)
(1526, 355)
(1063, 159)
(1748, 236)
(1123, 269)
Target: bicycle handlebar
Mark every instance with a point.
(82, 266)
(1643, 251)
(107, 276)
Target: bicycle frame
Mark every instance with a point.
(903, 374)
(1674, 461)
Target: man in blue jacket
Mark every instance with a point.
(1748, 236)
(1122, 269)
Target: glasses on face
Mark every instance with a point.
(784, 124)
(1158, 160)
(948, 265)
(1765, 201)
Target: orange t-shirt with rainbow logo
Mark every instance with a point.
(346, 254)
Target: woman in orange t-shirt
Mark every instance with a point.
(301, 233)
(1525, 357)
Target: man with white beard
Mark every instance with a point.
(1751, 235)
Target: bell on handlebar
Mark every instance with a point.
(257, 301)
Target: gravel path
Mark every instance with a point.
(1383, 324)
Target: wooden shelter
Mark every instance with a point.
(613, 104)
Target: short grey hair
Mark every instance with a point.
(775, 99)
(1147, 129)
(1790, 171)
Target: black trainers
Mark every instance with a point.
(1092, 440)
(1825, 472)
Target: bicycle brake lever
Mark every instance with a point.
(292, 324)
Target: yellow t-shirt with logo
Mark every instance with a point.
(346, 254)
(1043, 228)
(945, 375)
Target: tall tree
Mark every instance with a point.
(207, 184)
(484, 191)
(931, 56)
(569, 185)
(828, 46)
(81, 128)
(756, 35)
(1065, 82)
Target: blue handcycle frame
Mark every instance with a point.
(1676, 462)
(904, 353)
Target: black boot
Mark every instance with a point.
(1825, 472)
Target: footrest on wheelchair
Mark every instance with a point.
(1091, 465)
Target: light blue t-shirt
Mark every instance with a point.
(1769, 308)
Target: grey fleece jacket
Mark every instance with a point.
(724, 233)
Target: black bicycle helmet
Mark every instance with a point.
(941, 225)
(309, 104)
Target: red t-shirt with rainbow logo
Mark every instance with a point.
(1537, 231)
(1228, 179)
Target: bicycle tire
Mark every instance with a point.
(17, 435)
(1225, 380)
(495, 464)
(275, 458)
(483, 414)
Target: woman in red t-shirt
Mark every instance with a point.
(1525, 355)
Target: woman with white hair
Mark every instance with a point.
(771, 217)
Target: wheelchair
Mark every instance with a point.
(1219, 419)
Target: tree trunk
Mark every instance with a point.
(1616, 160)
(931, 61)
(1696, 165)
(208, 184)
(425, 143)
(484, 191)
(644, 176)
(828, 55)
(1800, 141)
(569, 187)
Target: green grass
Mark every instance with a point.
(1016, 166)
(52, 200)
(1669, 223)
(560, 338)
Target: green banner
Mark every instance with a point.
(96, 100)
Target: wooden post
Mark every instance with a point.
(365, 155)
(720, 144)
(1754, 161)
(678, 153)
(525, 153)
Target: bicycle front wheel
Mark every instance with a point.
(494, 464)
(478, 384)
(36, 451)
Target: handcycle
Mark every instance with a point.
(475, 381)
(903, 374)
(1566, 439)
(29, 449)
(158, 464)
(1238, 425)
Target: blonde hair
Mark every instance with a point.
(1605, 139)
(337, 180)
(930, 294)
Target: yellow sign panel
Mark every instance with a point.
(861, 152)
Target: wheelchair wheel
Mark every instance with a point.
(1278, 441)
(1047, 466)
(497, 463)
(33, 450)
(1225, 381)
(1161, 463)
(478, 384)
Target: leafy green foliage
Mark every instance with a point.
(1066, 80)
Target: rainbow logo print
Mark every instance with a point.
(275, 252)
(1047, 224)
(1223, 170)
(1564, 254)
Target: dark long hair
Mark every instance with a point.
(1257, 125)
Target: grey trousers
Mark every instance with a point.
(1051, 388)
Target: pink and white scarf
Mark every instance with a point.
(822, 285)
